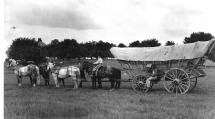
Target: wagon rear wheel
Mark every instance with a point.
(176, 81)
(139, 84)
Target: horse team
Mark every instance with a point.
(78, 74)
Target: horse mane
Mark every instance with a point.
(86, 65)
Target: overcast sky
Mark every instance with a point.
(115, 21)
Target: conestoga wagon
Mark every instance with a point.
(178, 66)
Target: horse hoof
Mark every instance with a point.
(19, 85)
(111, 90)
(34, 85)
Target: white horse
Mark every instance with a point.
(31, 71)
(60, 73)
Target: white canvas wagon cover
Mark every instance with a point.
(163, 53)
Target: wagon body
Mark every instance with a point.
(178, 75)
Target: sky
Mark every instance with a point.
(114, 21)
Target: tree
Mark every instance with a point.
(55, 42)
(26, 49)
(70, 49)
(150, 43)
(135, 44)
(121, 45)
(198, 36)
(168, 43)
(103, 49)
(145, 43)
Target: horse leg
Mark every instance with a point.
(31, 80)
(112, 84)
(59, 81)
(118, 84)
(38, 80)
(80, 84)
(75, 83)
(19, 80)
(95, 80)
(55, 77)
(34, 81)
(100, 82)
(94, 83)
(45, 83)
(48, 82)
(63, 81)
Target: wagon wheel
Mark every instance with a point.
(193, 80)
(176, 81)
(139, 84)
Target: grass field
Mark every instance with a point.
(65, 103)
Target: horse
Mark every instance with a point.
(31, 71)
(112, 73)
(59, 73)
(45, 73)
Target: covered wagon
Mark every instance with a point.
(178, 66)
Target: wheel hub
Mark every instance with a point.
(177, 81)
(140, 82)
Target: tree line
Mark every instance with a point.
(30, 49)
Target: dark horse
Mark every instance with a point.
(45, 73)
(112, 73)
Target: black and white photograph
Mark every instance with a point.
(107, 59)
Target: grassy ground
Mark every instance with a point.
(65, 103)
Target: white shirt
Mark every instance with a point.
(99, 61)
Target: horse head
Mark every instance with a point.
(50, 66)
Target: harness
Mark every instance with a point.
(57, 71)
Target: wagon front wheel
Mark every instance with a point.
(139, 84)
(193, 79)
(176, 81)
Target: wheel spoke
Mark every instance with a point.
(172, 73)
(170, 86)
(180, 89)
(186, 86)
(171, 89)
(176, 74)
(184, 78)
(179, 73)
(181, 76)
(184, 82)
(169, 77)
(176, 89)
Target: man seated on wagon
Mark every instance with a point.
(98, 64)
(153, 75)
